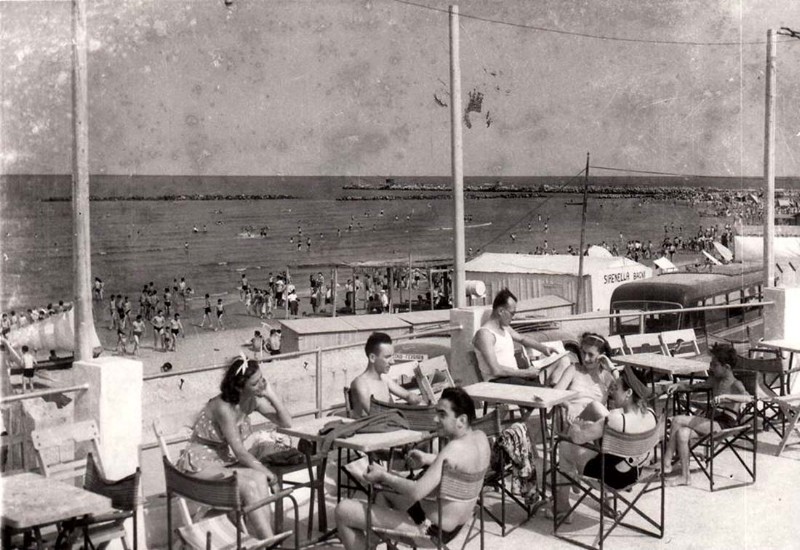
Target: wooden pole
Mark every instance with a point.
(410, 278)
(430, 286)
(81, 242)
(580, 300)
(391, 289)
(457, 161)
(769, 163)
(333, 290)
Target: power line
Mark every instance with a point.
(652, 172)
(583, 34)
(529, 212)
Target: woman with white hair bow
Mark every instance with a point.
(217, 445)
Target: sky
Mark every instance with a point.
(360, 88)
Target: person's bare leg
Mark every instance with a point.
(351, 522)
(253, 487)
(678, 422)
(695, 427)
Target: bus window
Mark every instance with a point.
(654, 322)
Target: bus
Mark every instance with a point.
(722, 285)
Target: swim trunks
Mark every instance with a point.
(417, 514)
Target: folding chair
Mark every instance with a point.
(492, 425)
(680, 343)
(759, 370)
(59, 456)
(626, 445)
(738, 439)
(643, 343)
(455, 486)
(790, 408)
(220, 494)
(219, 528)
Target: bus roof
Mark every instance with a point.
(688, 288)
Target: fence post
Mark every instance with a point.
(641, 323)
(318, 390)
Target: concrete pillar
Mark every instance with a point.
(781, 321)
(470, 319)
(114, 401)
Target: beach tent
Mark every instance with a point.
(724, 252)
(54, 333)
(532, 276)
(599, 252)
(711, 258)
(665, 265)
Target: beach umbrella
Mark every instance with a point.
(723, 251)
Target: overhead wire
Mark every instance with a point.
(585, 34)
(529, 212)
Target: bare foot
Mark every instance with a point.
(679, 481)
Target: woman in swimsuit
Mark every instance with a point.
(724, 388)
(628, 396)
(217, 449)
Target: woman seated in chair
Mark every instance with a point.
(217, 445)
(628, 396)
(724, 388)
(591, 380)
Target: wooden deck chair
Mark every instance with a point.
(628, 445)
(472, 359)
(61, 450)
(680, 343)
(432, 377)
(455, 486)
(616, 344)
(643, 343)
(790, 408)
(758, 371)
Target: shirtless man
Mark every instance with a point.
(467, 451)
(373, 382)
(494, 344)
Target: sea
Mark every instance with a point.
(134, 242)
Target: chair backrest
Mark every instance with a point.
(616, 344)
(680, 343)
(124, 493)
(58, 449)
(433, 376)
(420, 418)
(348, 404)
(630, 445)
(472, 359)
(643, 343)
(491, 423)
(183, 509)
(460, 486)
(218, 493)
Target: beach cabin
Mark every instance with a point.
(319, 332)
(532, 276)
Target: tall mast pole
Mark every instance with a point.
(457, 161)
(81, 245)
(769, 163)
(579, 301)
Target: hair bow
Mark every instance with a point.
(243, 367)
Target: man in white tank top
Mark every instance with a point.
(494, 344)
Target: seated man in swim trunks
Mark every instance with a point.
(724, 388)
(494, 345)
(407, 509)
(373, 381)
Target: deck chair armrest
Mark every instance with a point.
(286, 493)
(793, 370)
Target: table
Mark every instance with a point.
(664, 364)
(31, 500)
(530, 397)
(309, 430)
(361, 442)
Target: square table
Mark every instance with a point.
(31, 500)
(664, 364)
